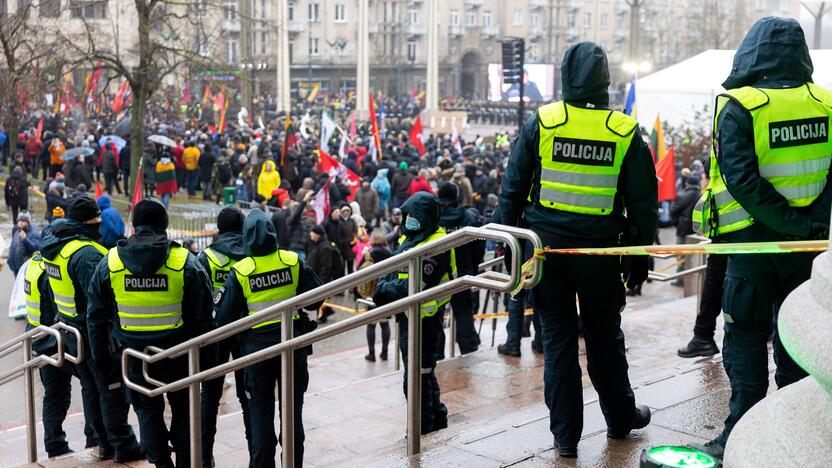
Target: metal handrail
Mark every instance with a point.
(286, 309)
(30, 363)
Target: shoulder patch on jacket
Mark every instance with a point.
(552, 115)
(820, 94)
(177, 258)
(244, 266)
(621, 124)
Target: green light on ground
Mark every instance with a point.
(680, 457)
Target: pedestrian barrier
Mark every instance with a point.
(411, 259)
(30, 363)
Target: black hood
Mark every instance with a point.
(145, 251)
(63, 230)
(231, 244)
(456, 217)
(774, 50)
(424, 207)
(585, 74)
(259, 234)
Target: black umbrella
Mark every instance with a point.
(122, 127)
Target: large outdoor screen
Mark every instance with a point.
(539, 83)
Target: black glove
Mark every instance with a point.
(819, 231)
(635, 270)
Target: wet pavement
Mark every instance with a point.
(355, 411)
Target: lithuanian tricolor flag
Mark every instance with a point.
(657, 140)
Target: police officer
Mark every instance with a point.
(769, 171)
(574, 169)
(421, 226)
(217, 260)
(57, 390)
(468, 259)
(267, 276)
(71, 251)
(150, 291)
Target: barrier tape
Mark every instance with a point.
(736, 248)
(179, 232)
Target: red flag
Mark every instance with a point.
(137, 190)
(222, 117)
(374, 122)
(98, 191)
(327, 164)
(40, 128)
(286, 142)
(666, 175)
(416, 136)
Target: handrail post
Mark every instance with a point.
(193, 401)
(287, 392)
(397, 364)
(452, 332)
(29, 384)
(414, 361)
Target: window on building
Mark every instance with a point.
(535, 19)
(204, 49)
(264, 38)
(587, 20)
(291, 50)
(604, 19)
(313, 46)
(253, 43)
(486, 18)
(49, 8)
(570, 20)
(3, 8)
(412, 16)
(471, 18)
(517, 17)
(412, 51)
(89, 9)
(314, 12)
(340, 13)
(291, 11)
(231, 11)
(454, 17)
(231, 51)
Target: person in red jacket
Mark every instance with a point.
(420, 184)
(33, 149)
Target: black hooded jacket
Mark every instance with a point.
(229, 244)
(585, 82)
(470, 255)
(424, 207)
(143, 254)
(772, 55)
(260, 239)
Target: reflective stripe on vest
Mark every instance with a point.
(581, 151)
(793, 148)
(430, 308)
(30, 288)
(219, 265)
(268, 280)
(57, 270)
(149, 303)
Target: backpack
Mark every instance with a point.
(367, 289)
(14, 188)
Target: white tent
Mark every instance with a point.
(678, 92)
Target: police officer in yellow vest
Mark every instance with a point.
(574, 170)
(71, 251)
(266, 277)
(150, 291)
(421, 226)
(217, 259)
(57, 389)
(769, 173)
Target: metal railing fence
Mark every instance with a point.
(285, 310)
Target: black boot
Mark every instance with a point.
(698, 347)
(508, 350)
(641, 418)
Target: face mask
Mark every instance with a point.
(412, 224)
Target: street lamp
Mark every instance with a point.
(637, 68)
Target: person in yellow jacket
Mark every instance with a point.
(420, 227)
(190, 157)
(268, 180)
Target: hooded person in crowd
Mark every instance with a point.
(112, 225)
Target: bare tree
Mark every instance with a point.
(170, 36)
(30, 64)
(817, 10)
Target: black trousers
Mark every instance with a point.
(597, 283)
(260, 383)
(156, 437)
(112, 399)
(710, 303)
(210, 396)
(57, 393)
(462, 306)
(434, 412)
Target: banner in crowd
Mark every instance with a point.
(375, 149)
(327, 130)
(416, 136)
(321, 203)
(666, 175)
(328, 165)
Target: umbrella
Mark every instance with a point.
(161, 140)
(122, 127)
(73, 153)
(114, 139)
